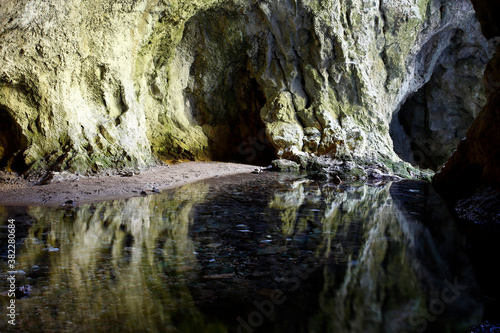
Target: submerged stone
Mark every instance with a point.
(485, 327)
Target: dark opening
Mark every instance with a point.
(12, 144)
(428, 127)
(251, 143)
(431, 122)
(240, 134)
(226, 103)
(409, 132)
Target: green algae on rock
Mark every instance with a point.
(98, 86)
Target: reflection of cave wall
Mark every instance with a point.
(430, 124)
(12, 143)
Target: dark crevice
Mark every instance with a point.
(226, 104)
(404, 125)
(431, 122)
(251, 144)
(12, 144)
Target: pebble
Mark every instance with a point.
(485, 327)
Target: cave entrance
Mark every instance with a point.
(429, 126)
(408, 129)
(431, 122)
(254, 147)
(223, 95)
(250, 144)
(12, 144)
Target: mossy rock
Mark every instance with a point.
(285, 165)
(401, 169)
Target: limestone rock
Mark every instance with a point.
(476, 162)
(93, 86)
(431, 123)
(285, 165)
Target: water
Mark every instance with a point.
(260, 253)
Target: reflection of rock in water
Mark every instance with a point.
(120, 263)
(344, 259)
(368, 262)
(410, 276)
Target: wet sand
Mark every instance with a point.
(68, 189)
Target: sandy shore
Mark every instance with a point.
(72, 190)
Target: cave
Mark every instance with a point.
(426, 130)
(240, 136)
(250, 143)
(345, 238)
(433, 120)
(414, 111)
(223, 96)
(12, 144)
(426, 135)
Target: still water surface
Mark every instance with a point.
(260, 253)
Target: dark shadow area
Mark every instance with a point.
(12, 144)
(482, 249)
(431, 122)
(478, 219)
(409, 121)
(224, 97)
(475, 238)
(252, 145)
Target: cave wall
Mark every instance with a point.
(430, 124)
(476, 161)
(102, 85)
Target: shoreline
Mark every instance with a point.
(75, 191)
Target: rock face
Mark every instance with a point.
(434, 120)
(476, 162)
(98, 85)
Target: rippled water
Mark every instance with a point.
(260, 253)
